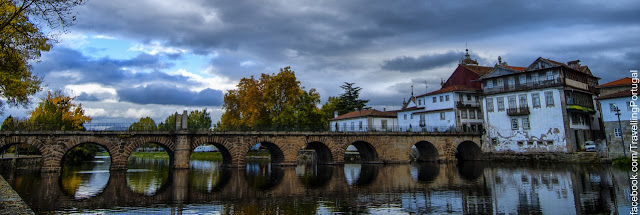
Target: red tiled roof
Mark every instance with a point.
(621, 82)
(516, 68)
(451, 89)
(480, 70)
(363, 113)
(625, 93)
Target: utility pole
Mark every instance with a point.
(617, 110)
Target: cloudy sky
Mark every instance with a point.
(129, 59)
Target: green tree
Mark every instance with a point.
(58, 112)
(169, 123)
(330, 107)
(144, 124)
(276, 101)
(199, 120)
(22, 41)
(349, 100)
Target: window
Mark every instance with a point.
(353, 127)
(534, 78)
(446, 97)
(511, 81)
(360, 126)
(344, 126)
(550, 75)
(419, 102)
(548, 98)
(441, 99)
(411, 116)
(490, 104)
(384, 124)
(523, 79)
(490, 84)
(500, 103)
(512, 102)
(422, 121)
(500, 82)
(525, 123)
(435, 99)
(405, 116)
(479, 114)
(468, 97)
(463, 114)
(535, 97)
(612, 107)
(472, 114)
(523, 100)
(514, 123)
(442, 116)
(617, 133)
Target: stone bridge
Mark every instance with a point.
(330, 147)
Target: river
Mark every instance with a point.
(150, 186)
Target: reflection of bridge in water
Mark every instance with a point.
(471, 187)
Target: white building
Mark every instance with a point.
(546, 107)
(365, 121)
(616, 95)
(454, 107)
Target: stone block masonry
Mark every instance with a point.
(10, 201)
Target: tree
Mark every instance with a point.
(330, 107)
(58, 112)
(199, 120)
(276, 101)
(22, 41)
(349, 99)
(144, 124)
(196, 121)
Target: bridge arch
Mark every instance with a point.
(368, 153)
(223, 148)
(6, 144)
(323, 152)
(277, 155)
(426, 151)
(166, 144)
(468, 150)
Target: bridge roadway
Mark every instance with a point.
(376, 184)
(374, 147)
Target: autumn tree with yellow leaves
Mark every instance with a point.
(58, 112)
(273, 102)
(22, 41)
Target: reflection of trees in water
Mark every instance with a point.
(360, 174)
(85, 179)
(147, 176)
(425, 172)
(313, 175)
(263, 175)
(208, 176)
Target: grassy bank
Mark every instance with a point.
(150, 155)
(206, 156)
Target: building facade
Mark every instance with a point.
(365, 121)
(547, 107)
(615, 98)
(456, 106)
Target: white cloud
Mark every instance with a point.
(96, 112)
(72, 40)
(105, 37)
(217, 82)
(156, 47)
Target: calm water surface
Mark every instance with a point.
(150, 186)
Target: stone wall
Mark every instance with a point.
(10, 201)
(614, 144)
(24, 162)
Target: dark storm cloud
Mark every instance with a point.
(170, 95)
(82, 69)
(424, 62)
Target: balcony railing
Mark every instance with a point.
(585, 102)
(428, 129)
(461, 104)
(519, 87)
(524, 110)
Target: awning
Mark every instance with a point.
(580, 109)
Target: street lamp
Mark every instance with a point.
(617, 110)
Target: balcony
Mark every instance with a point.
(520, 87)
(524, 110)
(461, 104)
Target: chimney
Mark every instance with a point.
(574, 64)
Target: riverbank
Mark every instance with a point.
(576, 157)
(10, 201)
